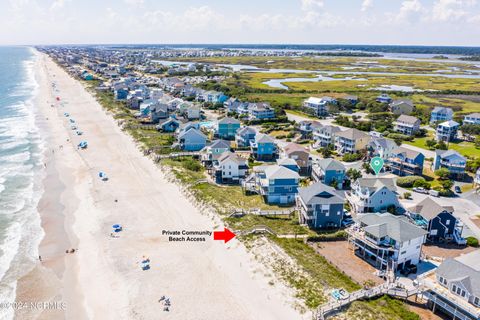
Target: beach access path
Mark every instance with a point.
(103, 279)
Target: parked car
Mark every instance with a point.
(457, 189)
(434, 193)
(420, 190)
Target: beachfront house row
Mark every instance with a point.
(438, 220)
(454, 288)
(227, 128)
(386, 241)
(441, 114)
(229, 168)
(260, 111)
(192, 140)
(451, 160)
(384, 98)
(373, 195)
(263, 147)
(403, 106)
(324, 135)
(319, 106)
(447, 131)
(473, 118)
(351, 141)
(381, 147)
(319, 206)
(300, 155)
(277, 184)
(407, 125)
(330, 172)
(406, 162)
(245, 136)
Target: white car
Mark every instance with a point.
(420, 190)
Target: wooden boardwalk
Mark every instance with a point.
(390, 289)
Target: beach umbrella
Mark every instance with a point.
(116, 226)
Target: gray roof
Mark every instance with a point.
(401, 101)
(464, 269)
(384, 143)
(263, 138)
(407, 153)
(407, 119)
(220, 144)
(395, 227)
(192, 131)
(429, 209)
(377, 183)
(287, 162)
(320, 193)
(352, 134)
(442, 109)
(448, 153)
(227, 155)
(473, 115)
(331, 164)
(245, 130)
(279, 172)
(228, 120)
(449, 124)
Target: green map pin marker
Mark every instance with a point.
(377, 164)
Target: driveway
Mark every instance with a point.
(426, 153)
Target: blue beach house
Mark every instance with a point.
(245, 136)
(227, 128)
(441, 114)
(277, 184)
(451, 160)
(263, 148)
(329, 171)
(192, 140)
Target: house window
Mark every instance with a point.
(403, 252)
(454, 288)
(476, 301)
(447, 222)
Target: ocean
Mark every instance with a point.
(21, 171)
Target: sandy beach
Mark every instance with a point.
(103, 279)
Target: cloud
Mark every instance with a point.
(410, 11)
(308, 5)
(366, 4)
(451, 10)
(134, 2)
(57, 4)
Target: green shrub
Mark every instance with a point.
(422, 184)
(472, 242)
(409, 181)
(350, 157)
(192, 165)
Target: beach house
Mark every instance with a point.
(330, 172)
(319, 206)
(406, 162)
(158, 111)
(447, 131)
(260, 111)
(472, 118)
(192, 140)
(324, 135)
(380, 147)
(451, 160)
(351, 141)
(373, 195)
(277, 184)
(407, 125)
(438, 220)
(212, 152)
(263, 147)
(244, 137)
(229, 168)
(300, 155)
(440, 114)
(192, 113)
(289, 164)
(227, 128)
(403, 106)
(454, 287)
(232, 104)
(168, 125)
(386, 241)
(319, 106)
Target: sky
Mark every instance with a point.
(407, 22)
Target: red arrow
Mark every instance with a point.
(225, 235)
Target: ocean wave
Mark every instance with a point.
(21, 173)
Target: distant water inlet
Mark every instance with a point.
(279, 83)
(21, 153)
